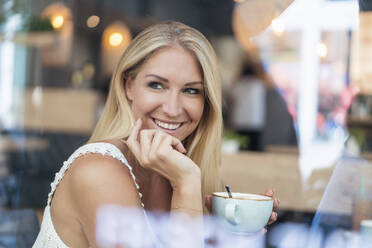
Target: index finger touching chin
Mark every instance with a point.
(135, 130)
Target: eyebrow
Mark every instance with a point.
(167, 81)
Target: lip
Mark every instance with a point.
(169, 122)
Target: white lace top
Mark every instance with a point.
(48, 237)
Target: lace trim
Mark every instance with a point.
(101, 148)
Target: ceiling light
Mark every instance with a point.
(57, 21)
(115, 39)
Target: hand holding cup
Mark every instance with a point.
(245, 213)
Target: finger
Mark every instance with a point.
(132, 141)
(165, 145)
(146, 137)
(269, 192)
(208, 203)
(273, 218)
(133, 135)
(276, 203)
(169, 140)
(156, 141)
(177, 144)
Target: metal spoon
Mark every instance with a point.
(228, 191)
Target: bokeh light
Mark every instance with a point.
(57, 21)
(93, 21)
(322, 50)
(278, 26)
(115, 39)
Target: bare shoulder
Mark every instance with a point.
(93, 181)
(94, 165)
(101, 179)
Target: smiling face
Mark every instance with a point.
(168, 92)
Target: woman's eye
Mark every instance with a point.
(155, 85)
(192, 91)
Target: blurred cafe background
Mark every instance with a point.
(297, 86)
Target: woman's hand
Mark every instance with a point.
(269, 192)
(162, 153)
(274, 214)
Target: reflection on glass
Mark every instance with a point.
(56, 62)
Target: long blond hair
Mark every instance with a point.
(204, 144)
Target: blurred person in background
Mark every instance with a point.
(258, 112)
(248, 107)
(157, 145)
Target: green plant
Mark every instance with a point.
(229, 134)
(360, 137)
(9, 8)
(37, 24)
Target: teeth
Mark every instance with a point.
(167, 125)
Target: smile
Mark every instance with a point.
(168, 126)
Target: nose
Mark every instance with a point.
(172, 105)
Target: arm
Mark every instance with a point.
(96, 181)
(187, 197)
(164, 154)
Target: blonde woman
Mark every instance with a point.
(156, 145)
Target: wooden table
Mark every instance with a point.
(254, 172)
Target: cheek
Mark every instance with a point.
(143, 103)
(196, 111)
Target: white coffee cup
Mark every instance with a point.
(243, 213)
(366, 232)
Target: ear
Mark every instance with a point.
(129, 89)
